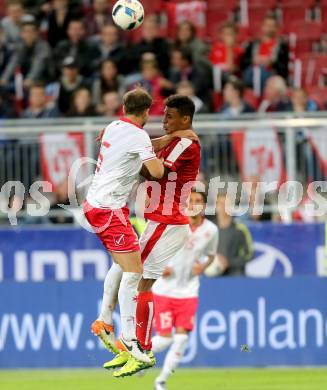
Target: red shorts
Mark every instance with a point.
(113, 227)
(174, 313)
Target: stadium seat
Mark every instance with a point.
(293, 14)
(319, 95)
(257, 14)
(222, 5)
(302, 46)
(215, 20)
(324, 17)
(262, 4)
(308, 30)
(295, 3)
(313, 66)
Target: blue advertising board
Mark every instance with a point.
(73, 254)
(282, 320)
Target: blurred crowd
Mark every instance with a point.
(60, 58)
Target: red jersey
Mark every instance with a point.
(218, 54)
(182, 157)
(267, 48)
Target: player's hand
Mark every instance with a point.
(100, 136)
(223, 262)
(190, 134)
(197, 269)
(167, 272)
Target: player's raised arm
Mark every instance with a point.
(162, 142)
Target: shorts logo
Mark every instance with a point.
(120, 240)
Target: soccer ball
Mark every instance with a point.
(128, 14)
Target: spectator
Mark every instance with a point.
(11, 23)
(270, 54)
(6, 106)
(98, 17)
(226, 53)
(37, 104)
(81, 104)
(186, 88)
(235, 243)
(32, 56)
(153, 81)
(58, 20)
(234, 104)
(182, 68)
(6, 53)
(86, 54)
(301, 103)
(151, 42)
(35, 7)
(112, 104)
(186, 39)
(71, 80)
(109, 81)
(275, 96)
(111, 47)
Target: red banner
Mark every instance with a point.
(192, 11)
(58, 153)
(259, 154)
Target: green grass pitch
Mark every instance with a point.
(183, 379)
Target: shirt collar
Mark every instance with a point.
(127, 120)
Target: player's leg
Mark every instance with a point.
(116, 233)
(159, 243)
(163, 323)
(145, 313)
(132, 269)
(173, 357)
(163, 327)
(103, 326)
(164, 242)
(184, 313)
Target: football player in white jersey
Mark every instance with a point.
(176, 292)
(125, 148)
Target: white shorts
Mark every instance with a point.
(159, 243)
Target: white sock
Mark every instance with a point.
(110, 293)
(173, 356)
(160, 343)
(127, 302)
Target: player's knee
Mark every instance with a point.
(179, 343)
(160, 343)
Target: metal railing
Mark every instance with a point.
(20, 143)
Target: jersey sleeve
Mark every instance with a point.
(143, 147)
(182, 151)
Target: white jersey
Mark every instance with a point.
(201, 243)
(124, 148)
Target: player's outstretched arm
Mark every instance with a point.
(162, 142)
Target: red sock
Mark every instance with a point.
(144, 317)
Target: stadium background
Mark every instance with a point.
(253, 127)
